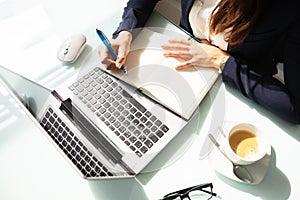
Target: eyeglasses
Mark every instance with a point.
(202, 191)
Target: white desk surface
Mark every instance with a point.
(31, 168)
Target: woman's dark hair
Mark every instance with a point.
(235, 17)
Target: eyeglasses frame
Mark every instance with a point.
(184, 193)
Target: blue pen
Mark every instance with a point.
(108, 46)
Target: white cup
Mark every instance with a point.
(245, 144)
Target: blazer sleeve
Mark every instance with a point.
(136, 14)
(283, 99)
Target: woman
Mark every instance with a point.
(245, 39)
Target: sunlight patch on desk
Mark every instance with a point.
(3, 112)
(9, 109)
(6, 119)
(55, 76)
(7, 122)
(28, 42)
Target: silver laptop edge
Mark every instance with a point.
(37, 98)
(39, 95)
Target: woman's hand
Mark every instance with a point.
(194, 53)
(121, 46)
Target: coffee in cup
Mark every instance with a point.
(245, 144)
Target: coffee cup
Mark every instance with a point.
(245, 144)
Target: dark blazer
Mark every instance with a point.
(252, 64)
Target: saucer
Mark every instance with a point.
(223, 166)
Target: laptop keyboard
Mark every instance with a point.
(137, 127)
(76, 151)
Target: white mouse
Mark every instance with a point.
(71, 48)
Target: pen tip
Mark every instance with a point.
(98, 31)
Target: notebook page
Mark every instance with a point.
(179, 90)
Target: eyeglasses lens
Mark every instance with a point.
(199, 195)
(201, 192)
(192, 195)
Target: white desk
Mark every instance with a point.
(31, 168)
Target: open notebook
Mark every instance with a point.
(155, 75)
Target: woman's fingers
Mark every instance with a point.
(178, 45)
(179, 49)
(181, 41)
(104, 56)
(183, 65)
(178, 54)
(121, 45)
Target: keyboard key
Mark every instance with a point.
(153, 138)
(138, 154)
(144, 149)
(148, 143)
(164, 128)
(159, 133)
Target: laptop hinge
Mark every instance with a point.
(57, 96)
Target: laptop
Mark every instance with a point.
(104, 127)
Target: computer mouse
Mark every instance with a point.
(71, 48)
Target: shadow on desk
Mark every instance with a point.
(275, 185)
(127, 188)
(292, 130)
